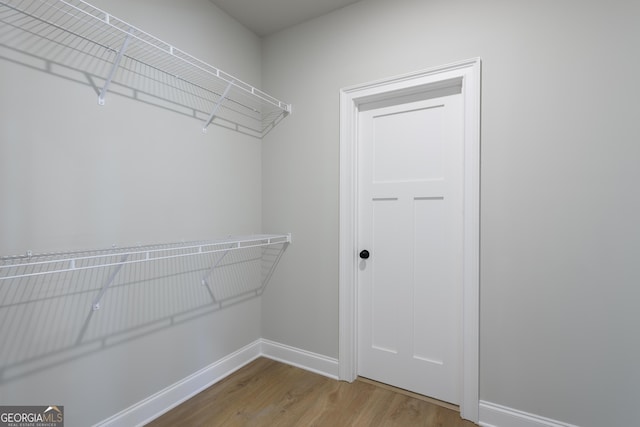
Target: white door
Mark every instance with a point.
(410, 221)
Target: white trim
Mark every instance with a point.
(493, 415)
(350, 100)
(307, 360)
(157, 404)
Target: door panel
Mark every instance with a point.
(411, 157)
(392, 266)
(410, 219)
(430, 304)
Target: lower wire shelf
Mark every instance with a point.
(56, 307)
(32, 265)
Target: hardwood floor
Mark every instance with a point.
(269, 393)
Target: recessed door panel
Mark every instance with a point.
(417, 155)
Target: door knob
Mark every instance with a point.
(364, 254)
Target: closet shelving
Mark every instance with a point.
(32, 265)
(145, 66)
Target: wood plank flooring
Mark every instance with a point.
(269, 393)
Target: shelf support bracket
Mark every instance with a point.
(96, 302)
(217, 107)
(267, 277)
(213, 267)
(114, 67)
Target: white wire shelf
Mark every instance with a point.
(134, 62)
(29, 264)
(56, 306)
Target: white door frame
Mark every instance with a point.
(350, 101)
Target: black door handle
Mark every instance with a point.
(364, 254)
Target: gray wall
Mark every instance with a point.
(559, 164)
(74, 175)
(559, 209)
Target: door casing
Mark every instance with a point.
(408, 85)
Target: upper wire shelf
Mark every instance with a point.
(136, 60)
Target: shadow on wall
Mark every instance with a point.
(50, 313)
(78, 46)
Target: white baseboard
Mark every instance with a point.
(307, 360)
(164, 400)
(493, 415)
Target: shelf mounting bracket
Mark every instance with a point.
(217, 107)
(267, 277)
(96, 302)
(114, 67)
(205, 282)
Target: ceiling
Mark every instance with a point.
(265, 17)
